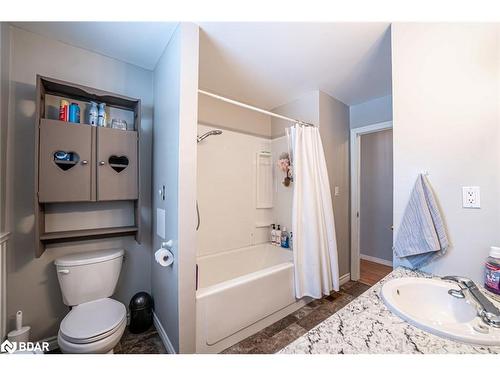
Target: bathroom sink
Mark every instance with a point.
(426, 304)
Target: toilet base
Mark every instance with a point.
(104, 346)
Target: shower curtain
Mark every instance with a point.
(313, 226)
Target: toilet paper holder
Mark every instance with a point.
(164, 256)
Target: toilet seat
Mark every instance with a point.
(93, 321)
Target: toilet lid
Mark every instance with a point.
(93, 320)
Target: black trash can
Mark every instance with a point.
(141, 312)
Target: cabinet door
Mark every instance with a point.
(64, 162)
(116, 164)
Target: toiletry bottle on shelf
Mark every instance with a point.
(74, 113)
(273, 234)
(492, 274)
(92, 119)
(285, 239)
(290, 241)
(278, 236)
(101, 115)
(64, 110)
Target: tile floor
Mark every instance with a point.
(269, 340)
(148, 342)
(278, 335)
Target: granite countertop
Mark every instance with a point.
(366, 326)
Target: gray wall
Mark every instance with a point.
(222, 115)
(371, 112)
(332, 116)
(32, 282)
(376, 195)
(305, 108)
(175, 118)
(4, 109)
(334, 130)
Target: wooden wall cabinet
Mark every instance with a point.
(102, 166)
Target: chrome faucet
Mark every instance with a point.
(487, 311)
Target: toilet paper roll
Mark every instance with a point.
(164, 257)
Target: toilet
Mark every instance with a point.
(95, 322)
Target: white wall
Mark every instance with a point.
(446, 102)
(175, 117)
(371, 112)
(376, 197)
(33, 282)
(227, 191)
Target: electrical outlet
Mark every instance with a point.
(471, 197)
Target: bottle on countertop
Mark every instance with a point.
(492, 274)
(273, 234)
(285, 239)
(101, 115)
(278, 236)
(93, 114)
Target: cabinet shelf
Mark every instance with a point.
(75, 235)
(87, 177)
(67, 123)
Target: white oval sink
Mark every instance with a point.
(426, 304)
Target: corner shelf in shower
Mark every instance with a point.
(92, 177)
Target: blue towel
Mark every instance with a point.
(422, 235)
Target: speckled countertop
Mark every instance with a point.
(366, 326)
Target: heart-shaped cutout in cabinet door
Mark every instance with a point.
(65, 160)
(118, 163)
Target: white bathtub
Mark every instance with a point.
(240, 292)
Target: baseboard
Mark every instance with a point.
(376, 260)
(345, 278)
(163, 335)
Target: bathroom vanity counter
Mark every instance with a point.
(366, 326)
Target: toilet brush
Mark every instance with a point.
(20, 334)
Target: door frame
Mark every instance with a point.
(355, 153)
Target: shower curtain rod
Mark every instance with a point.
(251, 107)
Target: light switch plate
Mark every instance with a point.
(471, 197)
(160, 223)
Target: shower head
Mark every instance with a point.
(208, 134)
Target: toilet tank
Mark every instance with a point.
(85, 277)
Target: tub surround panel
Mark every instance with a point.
(366, 326)
(227, 192)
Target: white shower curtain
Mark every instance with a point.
(313, 226)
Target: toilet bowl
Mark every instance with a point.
(93, 327)
(95, 322)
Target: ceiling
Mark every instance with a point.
(138, 43)
(264, 64)
(269, 64)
